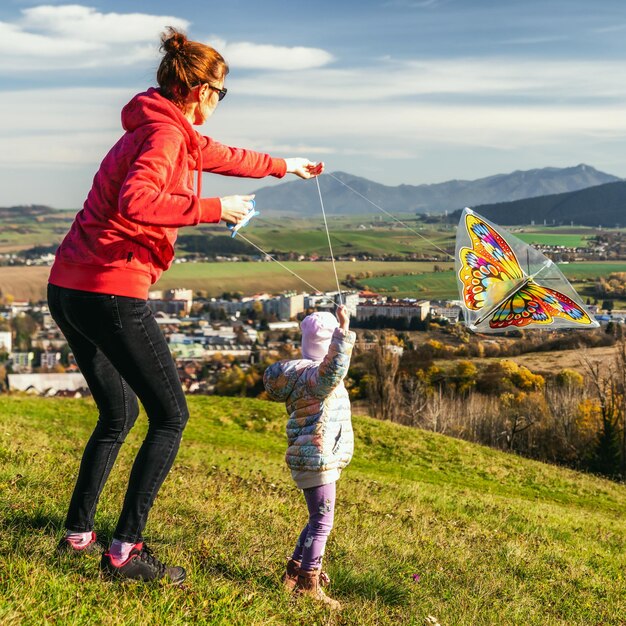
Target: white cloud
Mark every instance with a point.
(77, 126)
(401, 127)
(110, 28)
(532, 41)
(612, 28)
(74, 36)
(17, 43)
(478, 78)
(248, 55)
(59, 126)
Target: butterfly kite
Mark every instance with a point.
(505, 283)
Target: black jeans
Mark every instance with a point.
(123, 356)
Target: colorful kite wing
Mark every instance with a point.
(505, 283)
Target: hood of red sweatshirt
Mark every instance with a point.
(150, 107)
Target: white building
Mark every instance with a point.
(332, 299)
(171, 301)
(451, 313)
(394, 310)
(283, 325)
(50, 359)
(180, 294)
(285, 307)
(22, 361)
(43, 383)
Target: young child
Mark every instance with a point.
(319, 432)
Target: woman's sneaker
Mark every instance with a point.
(67, 546)
(141, 565)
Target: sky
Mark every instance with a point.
(397, 91)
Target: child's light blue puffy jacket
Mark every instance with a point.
(319, 429)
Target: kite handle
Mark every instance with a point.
(234, 228)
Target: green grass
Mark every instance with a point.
(495, 539)
(414, 279)
(553, 239)
(348, 236)
(250, 277)
(428, 286)
(591, 270)
(442, 285)
(397, 242)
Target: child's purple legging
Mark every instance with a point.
(312, 541)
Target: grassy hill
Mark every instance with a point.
(494, 539)
(593, 206)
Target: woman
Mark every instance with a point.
(119, 244)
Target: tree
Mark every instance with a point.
(231, 382)
(607, 382)
(382, 381)
(607, 305)
(6, 298)
(3, 378)
(24, 326)
(524, 379)
(606, 453)
(415, 399)
(617, 374)
(522, 411)
(463, 376)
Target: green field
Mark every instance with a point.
(591, 271)
(430, 286)
(407, 279)
(425, 525)
(348, 236)
(250, 277)
(26, 231)
(396, 242)
(370, 234)
(442, 285)
(553, 239)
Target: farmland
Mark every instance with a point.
(415, 279)
(351, 237)
(214, 278)
(443, 284)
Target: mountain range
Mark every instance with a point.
(339, 197)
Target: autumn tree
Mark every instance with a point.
(607, 385)
(382, 383)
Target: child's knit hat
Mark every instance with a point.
(317, 331)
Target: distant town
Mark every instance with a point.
(205, 335)
(208, 337)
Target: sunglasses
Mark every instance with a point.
(221, 92)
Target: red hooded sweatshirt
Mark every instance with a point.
(123, 239)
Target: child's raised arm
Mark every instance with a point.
(322, 380)
(344, 318)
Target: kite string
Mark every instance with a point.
(330, 247)
(381, 209)
(306, 282)
(393, 217)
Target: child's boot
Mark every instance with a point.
(309, 585)
(290, 577)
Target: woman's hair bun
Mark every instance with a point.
(173, 41)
